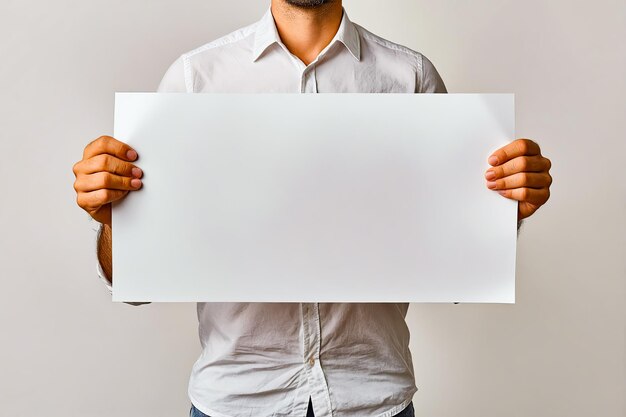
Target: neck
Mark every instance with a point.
(306, 30)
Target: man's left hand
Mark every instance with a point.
(519, 172)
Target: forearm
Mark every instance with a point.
(104, 251)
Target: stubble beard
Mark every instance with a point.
(308, 4)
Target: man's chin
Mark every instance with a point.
(308, 3)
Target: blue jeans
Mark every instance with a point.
(407, 412)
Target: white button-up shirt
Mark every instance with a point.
(263, 359)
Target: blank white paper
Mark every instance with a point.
(314, 198)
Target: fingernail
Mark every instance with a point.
(490, 175)
(131, 154)
(136, 172)
(502, 192)
(135, 183)
(493, 160)
(491, 184)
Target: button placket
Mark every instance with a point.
(320, 395)
(308, 83)
(317, 380)
(308, 348)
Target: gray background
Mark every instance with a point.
(67, 350)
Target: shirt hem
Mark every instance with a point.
(398, 408)
(207, 411)
(389, 413)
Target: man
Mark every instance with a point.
(262, 359)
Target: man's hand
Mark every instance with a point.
(521, 173)
(104, 175)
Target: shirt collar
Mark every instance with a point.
(266, 34)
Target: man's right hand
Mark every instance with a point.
(105, 174)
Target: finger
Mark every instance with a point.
(535, 163)
(95, 199)
(525, 209)
(108, 163)
(521, 179)
(529, 195)
(519, 147)
(111, 146)
(105, 180)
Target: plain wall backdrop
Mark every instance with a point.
(67, 350)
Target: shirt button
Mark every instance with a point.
(311, 361)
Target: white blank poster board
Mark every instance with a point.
(314, 198)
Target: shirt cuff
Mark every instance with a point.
(96, 226)
(102, 276)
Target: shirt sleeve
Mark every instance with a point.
(429, 80)
(174, 81)
(177, 78)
